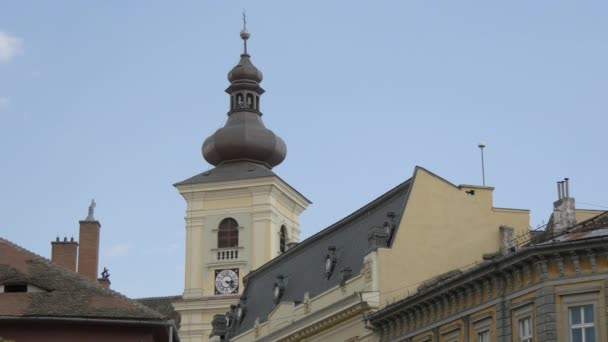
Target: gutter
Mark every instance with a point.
(170, 324)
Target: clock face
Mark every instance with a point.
(227, 281)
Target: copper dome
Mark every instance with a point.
(244, 136)
(245, 70)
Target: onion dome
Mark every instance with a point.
(245, 70)
(244, 136)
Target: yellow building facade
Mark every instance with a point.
(552, 290)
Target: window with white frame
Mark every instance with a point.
(579, 313)
(483, 336)
(524, 327)
(523, 320)
(482, 327)
(582, 326)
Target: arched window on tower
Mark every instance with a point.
(283, 239)
(257, 103)
(249, 101)
(228, 233)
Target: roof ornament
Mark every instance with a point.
(244, 33)
(92, 206)
(105, 274)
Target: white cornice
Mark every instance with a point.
(188, 190)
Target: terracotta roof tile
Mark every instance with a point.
(65, 293)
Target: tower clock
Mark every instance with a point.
(226, 281)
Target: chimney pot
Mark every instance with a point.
(64, 254)
(564, 209)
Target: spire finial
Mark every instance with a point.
(244, 33)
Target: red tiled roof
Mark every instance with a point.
(65, 293)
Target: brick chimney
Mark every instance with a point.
(564, 213)
(105, 278)
(88, 255)
(105, 282)
(64, 253)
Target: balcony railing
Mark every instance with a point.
(227, 254)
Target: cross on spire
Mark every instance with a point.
(244, 33)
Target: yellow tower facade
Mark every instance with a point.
(240, 214)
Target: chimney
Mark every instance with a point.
(64, 253)
(507, 244)
(88, 255)
(105, 282)
(564, 214)
(105, 279)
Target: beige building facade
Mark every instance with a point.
(554, 289)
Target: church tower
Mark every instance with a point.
(239, 214)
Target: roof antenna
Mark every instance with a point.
(481, 146)
(244, 33)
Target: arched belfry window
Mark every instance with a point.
(228, 233)
(283, 239)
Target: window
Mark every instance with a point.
(582, 327)
(523, 320)
(483, 336)
(525, 329)
(482, 327)
(283, 239)
(228, 234)
(15, 288)
(579, 312)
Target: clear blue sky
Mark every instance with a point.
(113, 100)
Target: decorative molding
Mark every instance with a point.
(592, 260)
(576, 260)
(560, 263)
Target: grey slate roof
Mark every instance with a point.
(303, 265)
(230, 171)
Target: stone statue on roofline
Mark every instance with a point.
(92, 206)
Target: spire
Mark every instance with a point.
(244, 136)
(244, 34)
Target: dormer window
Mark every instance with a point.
(19, 287)
(15, 288)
